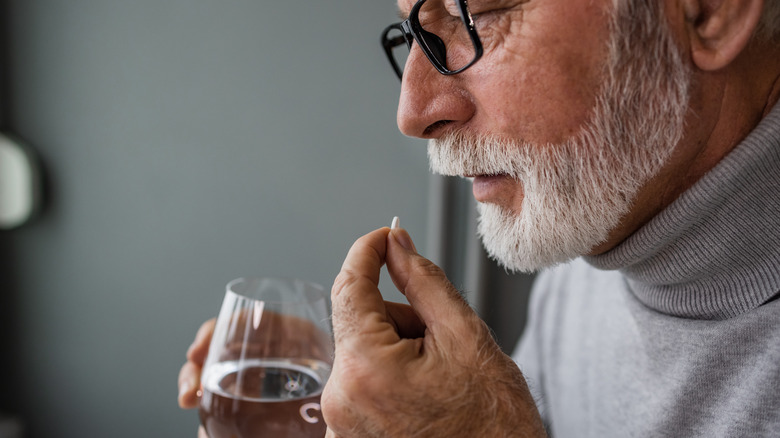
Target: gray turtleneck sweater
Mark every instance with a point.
(676, 331)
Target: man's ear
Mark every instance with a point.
(720, 29)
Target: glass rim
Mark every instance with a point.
(312, 292)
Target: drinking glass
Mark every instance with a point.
(269, 358)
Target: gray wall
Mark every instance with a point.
(185, 143)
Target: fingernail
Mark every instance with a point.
(403, 238)
(400, 235)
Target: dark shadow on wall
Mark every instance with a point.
(9, 323)
(5, 48)
(506, 308)
(8, 329)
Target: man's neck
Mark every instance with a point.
(725, 106)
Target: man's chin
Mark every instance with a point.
(518, 243)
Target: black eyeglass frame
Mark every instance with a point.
(430, 43)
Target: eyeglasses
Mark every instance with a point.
(451, 43)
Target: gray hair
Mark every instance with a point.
(769, 26)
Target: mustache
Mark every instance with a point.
(460, 153)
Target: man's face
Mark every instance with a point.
(561, 122)
(537, 80)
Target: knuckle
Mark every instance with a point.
(205, 331)
(355, 381)
(183, 373)
(344, 280)
(342, 399)
(330, 406)
(422, 271)
(427, 268)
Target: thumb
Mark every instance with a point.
(430, 293)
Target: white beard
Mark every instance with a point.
(576, 192)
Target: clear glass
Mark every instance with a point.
(269, 358)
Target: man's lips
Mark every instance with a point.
(492, 188)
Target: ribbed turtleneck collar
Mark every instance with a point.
(714, 253)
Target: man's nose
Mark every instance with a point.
(431, 103)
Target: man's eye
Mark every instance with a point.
(487, 7)
(452, 7)
(484, 17)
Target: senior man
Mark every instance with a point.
(631, 146)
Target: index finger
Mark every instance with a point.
(358, 307)
(200, 346)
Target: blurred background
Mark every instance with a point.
(183, 144)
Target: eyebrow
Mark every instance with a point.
(401, 14)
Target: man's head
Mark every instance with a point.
(573, 120)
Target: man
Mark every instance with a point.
(641, 135)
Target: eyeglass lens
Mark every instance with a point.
(444, 33)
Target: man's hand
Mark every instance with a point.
(430, 369)
(292, 337)
(189, 375)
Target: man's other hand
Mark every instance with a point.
(189, 375)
